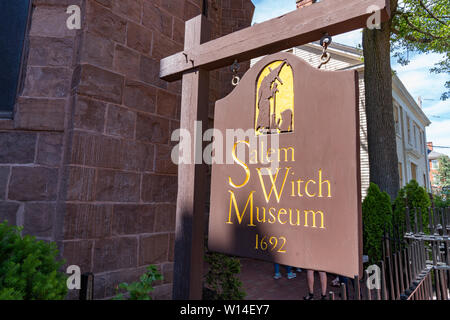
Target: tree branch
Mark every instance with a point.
(431, 13)
(414, 27)
(410, 38)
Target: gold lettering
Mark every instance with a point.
(264, 215)
(290, 218)
(273, 183)
(281, 212)
(306, 189)
(242, 164)
(286, 154)
(314, 218)
(272, 215)
(299, 183)
(321, 183)
(239, 215)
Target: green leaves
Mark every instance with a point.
(377, 217)
(422, 26)
(412, 196)
(140, 290)
(221, 277)
(29, 269)
(443, 174)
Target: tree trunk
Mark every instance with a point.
(379, 108)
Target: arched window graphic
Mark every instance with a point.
(274, 110)
(14, 20)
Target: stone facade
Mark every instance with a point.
(85, 161)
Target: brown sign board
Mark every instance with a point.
(306, 210)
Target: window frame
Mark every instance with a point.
(9, 114)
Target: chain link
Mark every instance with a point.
(235, 68)
(325, 41)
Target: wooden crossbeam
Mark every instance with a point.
(293, 29)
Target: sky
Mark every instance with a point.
(415, 76)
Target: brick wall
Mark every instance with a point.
(86, 160)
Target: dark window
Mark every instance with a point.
(13, 25)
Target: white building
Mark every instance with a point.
(410, 120)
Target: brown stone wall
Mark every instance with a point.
(31, 144)
(86, 160)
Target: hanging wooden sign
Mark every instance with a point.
(304, 211)
(330, 17)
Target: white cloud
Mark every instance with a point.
(439, 133)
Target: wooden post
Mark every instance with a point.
(189, 244)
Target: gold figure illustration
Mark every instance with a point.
(272, 117)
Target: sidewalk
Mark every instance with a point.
(258, 283)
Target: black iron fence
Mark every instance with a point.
(415, 263)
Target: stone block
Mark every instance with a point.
(50, 21)
(81, 184)
(8, 211)
(110, 152)
(105, 23)
(133, 219)
(87, 221)
(168, 104)
(153, 249)
(40, 114)
(126, 62)
(89, 114)
(149, 72)
(164, 46)
(78, 252)
(139, 38)
(39, 218)
(49, 149)
(165, 216)
(33, 184)
(55, 52)
(47, 82)
(115, 253)
(129, 8)
(117, 186)
(152, 129)
(121, 122)
(17, 147)
(138, 95)
(175, 7)
(163, 160)
(97, 50)
(155, 18)
(159, 188)
(100, 84)
(4, 176)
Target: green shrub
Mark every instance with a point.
(29, 268)
(377, 217)
(221, 277)
(439, 201)
(412, 196)
(140, 290)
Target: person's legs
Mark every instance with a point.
(310, 278)
(277, 275)
(323, 282)
(290, 274)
